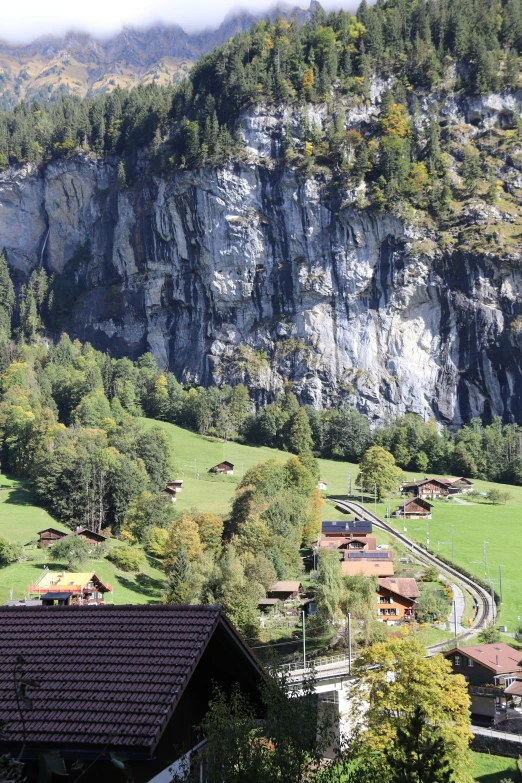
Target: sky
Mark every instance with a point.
(22, 22)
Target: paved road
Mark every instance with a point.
(496, 734)
(458, 596)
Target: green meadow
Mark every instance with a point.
(193, 455)
(493, 769)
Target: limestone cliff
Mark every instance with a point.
(255, 272)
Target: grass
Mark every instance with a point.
(493, 769)
(20, 521)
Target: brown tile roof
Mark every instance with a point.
(367, 567)
(499, 657)
(515, 689)
(285, 587)
(405, 586)
(420, 501)
(108, 675)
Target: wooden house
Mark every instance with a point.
(357, 527)
(68, 587)
(490, 669)
(176, 484)
(367, 563)
(170, 493)
(286, 591)
(50, 535)
(95, 539)
(357, 544)
(223, 467)
(396, 600)
(415, 508)
(458, 486)
(126, 681)
(266, 605)
(426, 488)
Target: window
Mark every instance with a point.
(471, 662)
(456, 660)
(509, 681)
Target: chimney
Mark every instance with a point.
(497, 659)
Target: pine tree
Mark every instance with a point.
(418, 754)
(512, 73)
(121, 176)
(492, 188)
(471, 168)
(7, 297)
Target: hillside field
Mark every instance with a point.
(193, 455)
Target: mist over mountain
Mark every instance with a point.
(82, 64)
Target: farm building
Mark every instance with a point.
(367, 563)
(224, 467)
(286, 591)
(176, 484)
(358, 527)
(170, 493)
(51, 534)
(396, 599)
(458, 486)
(490, 670)
(269, 604)
(129, 680)
(427, 488)
(322, 485)
(70, 588)
(415, 508)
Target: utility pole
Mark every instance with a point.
(349, 485)
(500, 583)
(485, 559)
(493, 606)
(427, 532)
(455, 616)
(349, 643)
(304, 642)
(375, 498)
(404, 528)
(452, 550)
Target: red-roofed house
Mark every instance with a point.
(489, 669)
(396, 599)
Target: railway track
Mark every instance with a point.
(485, 613)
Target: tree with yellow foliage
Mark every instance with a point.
(394, 678)
(183, 532)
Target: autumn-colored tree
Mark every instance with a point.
(394, 678)
(183, 532)
(210, 531)
(395, 121)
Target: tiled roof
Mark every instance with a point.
(108, 675)
(515, 689)
(498, 657)
(285, 587)
(355, 526)
(405, 586)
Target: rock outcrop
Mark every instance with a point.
(255, 272)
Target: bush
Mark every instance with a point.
(431, 574)
(73, 550)
(9, 553)
(127, 558)
(489, 635)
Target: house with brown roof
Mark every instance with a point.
(170, 493)
(458, 486)
(129, 680)
(286, 591)
(367, 563)
(396, 599)
(176, 484)
(426, 488)
(489, 670)
(224, 467)
(49, 535)
(414, 508)
(357, 544)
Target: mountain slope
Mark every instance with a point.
(80, 64)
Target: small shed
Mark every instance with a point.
(95, 539)
(50, 535)
(285, 591)
(170, 493)
(176, 484)
(266, 604)
(223, 467)
(322, 485)
(415, 508)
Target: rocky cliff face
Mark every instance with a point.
(256, 273)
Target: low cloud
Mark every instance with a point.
(23, 22)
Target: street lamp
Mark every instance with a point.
(485, 559)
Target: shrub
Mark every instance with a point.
(489, 635)
(9, 553)
(127, 558)
(74, 550)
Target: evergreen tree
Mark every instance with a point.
(7, 298)
(300, 434)
(471, 168)
(419, 753)
(178, 582)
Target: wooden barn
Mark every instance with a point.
(176, 484)
(50, 535)
(415, 508)
(95, 539)
(223, 467)
(286, 591)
